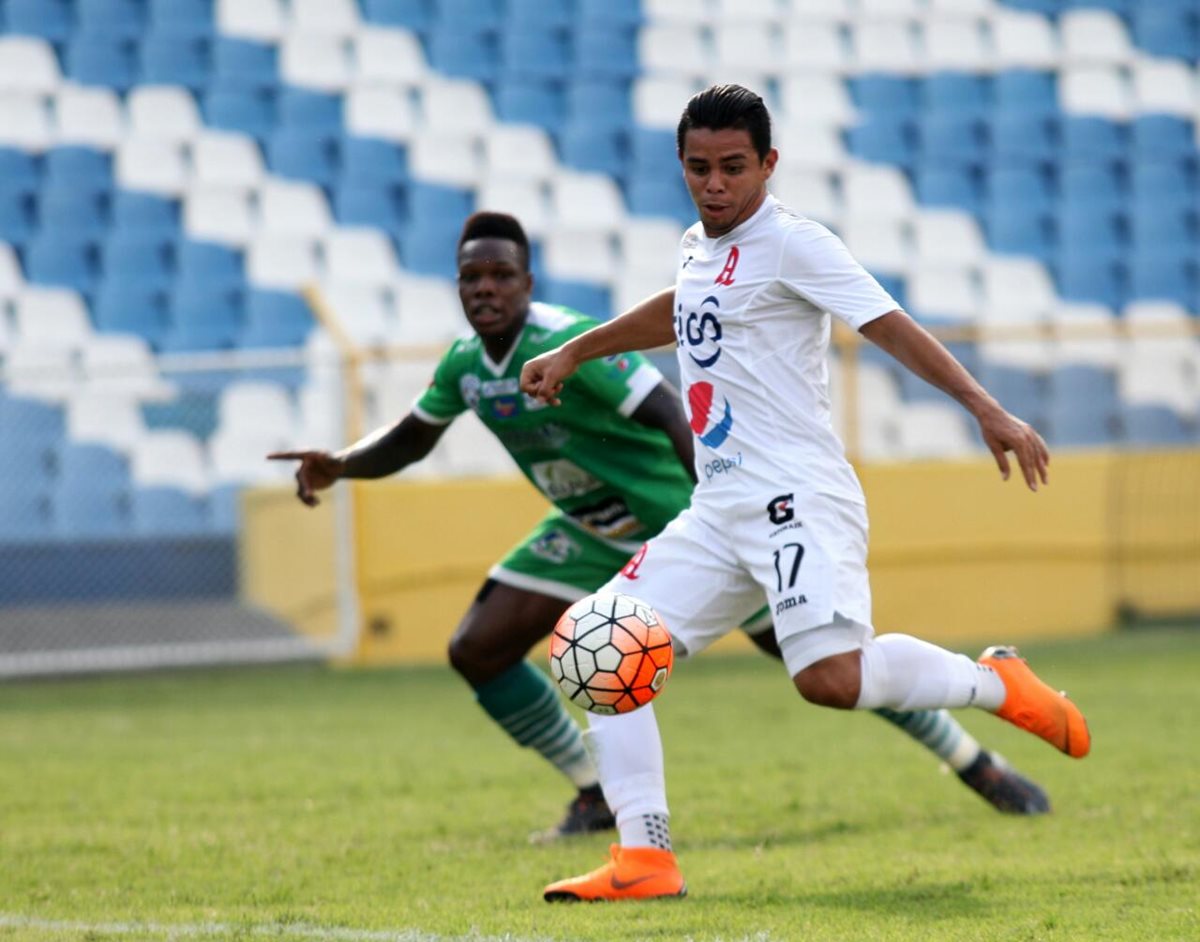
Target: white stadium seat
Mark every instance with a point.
(525, 199)
(1095, 90)
(388, 57)
(675, 49)
(586, 201)
(876, 191)
(816, 99)
(315, 60)
(28, 66)
(936, 290)
(835, 11)
(51, 317)
(449, 158)
(808, 192)
(456, 106)
(880, 245)
(24, 121)
(122, 365)
(90, 117)
(519, 151)
(635, 286)
(658, 99)
(218, 214)
(428, 311)
(885, 46)
(1085, 333)
(900, 10)
(751, 11)
(112, 418)
(360, 255)
(580, 255)
(250, 408)
(330, 17)
(288, 207)
(385, 112)
(1163, 86)
(809, 146)
(650, 246)
(1024, 40)
(1017, 291)
(239, 459)
(361, 310)
(676, 11)
(280, 261)
(12, 281)
(155, 166)
(817, 47)
(260, 20)
(956, 44)
(320, 424)
(933, 430)
(162, 111)
(41, 371)
(225, 159)
(747, 45)
(948, 237)
(1094, 37)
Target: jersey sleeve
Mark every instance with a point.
(622, 382)
(818, 267)
(442, 399)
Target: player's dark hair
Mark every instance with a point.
(728, 106)
(488, 225)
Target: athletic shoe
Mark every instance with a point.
(632, 873)
(1036, 708)
(1002, 787)
(587, 813)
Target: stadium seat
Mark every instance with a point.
(309, 110)
(951, 136)
(593, 300)
(1020, 187)
(92, 468)
(954, 93)
(222, 504)
(51, 317)
(314, 60)
(1023, 136)
(17, 215)
(1161, 179)
(191, 18)
(88, 515)
(656, 196)
(123, 18)
(409, 14)
(206, 263)
(49, 19)
(275, 319)
(366, 161)
(244, 64)
(90, 117)
(144, 213)
(198, 310)
(430, 249)
(1166, 30)
(377, 205)
(584, 145)
(606, 52)
(1020, 90)
(387, 57)
(120, 365)
(167, 511)
(247, 112)
(1093, 139)
(534, 53)
(603, 101)
(883, 140)
(174, 59)
(30, 424)
(1095, 184)
(1164, 274)
(282, 262)
(25, 122)
(170, 457)
(1164, 222)
(54, 259)
(1019, 391)
(131, 307)
(77, 212)
(540, 13)
(608, 12)
(24, 517)
(464, 55)
(528, 101)
(102, 59)
(300, 154)
(1083, 406)
(1091, 276)
(82, 167)
(1153, 425)
(653, 153)
(948, 186)
(1162, 137)
(151, 165)
(385, 112)
(1086, 225)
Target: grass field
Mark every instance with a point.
(313, 803)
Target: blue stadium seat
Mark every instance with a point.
(949, 185)
(1164, 273)
(1021, 392)
(82, 212)
(653, 153)
(223, 512)
(1018, 90)
(182, 17)
(955, 93)
(1163, 222)
(245, 64)
(49, 19)
(1098, 184)
(250, 111)
(472, 55)
(30, 424)
(885, 96)
(531, 101)
(1153, 425)
(1020, 187)
(367, 161)
(144, 213)
(53, 258)
(174, 59)
(190, 411)
(24, 517)
(205, 317)
(376, 205)
(609, 13)
(1084, 405)
(1087, 225)
(469, 15)
(211, 264)
(539, 13)
(123, 18)
(1166, 30)
(301, 154)
(431, 204)
(92, 468)
(1022, 135)
(605, 102)
(430, 248)
(19, 170)
(275, 319)
(102, 59)
(312, 111)
(1161, 137)
(86, 515)
(661, 196)
(168, 511)
(1093, 139)
(594, 300)
(1014, 229)
(79, 166)
(1092, 275)
(952, 136)
(18, 212)
(131, 307)
(534, 52)
(138, 256)
(410, 14)
(884, 139)
(1162, 179)
(1037, 6)
(606, 52)
(586, 145)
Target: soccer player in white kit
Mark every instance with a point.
(778, 511)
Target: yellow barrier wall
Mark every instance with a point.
(956, 555)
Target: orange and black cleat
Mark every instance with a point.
(632, 873)
(1035, 707)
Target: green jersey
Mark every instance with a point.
(616, 478)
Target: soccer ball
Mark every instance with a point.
(610, 653)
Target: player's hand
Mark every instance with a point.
(1003, 433)
(544, 375)
(318, 470)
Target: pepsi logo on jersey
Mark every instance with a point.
(711, 425)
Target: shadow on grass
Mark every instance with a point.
(922, 901)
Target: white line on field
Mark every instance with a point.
(203, 930)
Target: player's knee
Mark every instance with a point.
(471, 658)
(831, 682)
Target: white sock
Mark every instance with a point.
(628, 753)
(906, 673)
(646, 830)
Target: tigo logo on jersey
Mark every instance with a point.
(711, 425)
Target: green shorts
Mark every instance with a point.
(561, 559)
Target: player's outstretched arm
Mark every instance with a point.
(383, 452)
(662, 409)
(919, 351)
(644, 326)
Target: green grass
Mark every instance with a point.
(384, 800)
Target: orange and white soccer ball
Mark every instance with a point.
(610, 653)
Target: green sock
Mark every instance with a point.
(937, 731)
(527, 706)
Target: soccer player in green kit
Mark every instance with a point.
(615, 461)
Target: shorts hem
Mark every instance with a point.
(519, 580)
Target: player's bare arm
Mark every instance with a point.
(924, 355)
(644, 326)
(662, 410)
(383, 452)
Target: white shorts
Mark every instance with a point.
(707, 573)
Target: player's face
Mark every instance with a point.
(493, 285)
(726, 177)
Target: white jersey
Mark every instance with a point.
(752, 327)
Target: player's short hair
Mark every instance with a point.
(489, 225)
(728, 106)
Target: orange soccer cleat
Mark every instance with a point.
(633, 873)
(1035, 707)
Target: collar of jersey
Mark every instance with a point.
(499, 369)
(738, 231)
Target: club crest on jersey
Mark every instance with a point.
(710, 422)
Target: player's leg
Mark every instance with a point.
(685, 575)
(984, 772)
(816, 579)
(516, 608)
